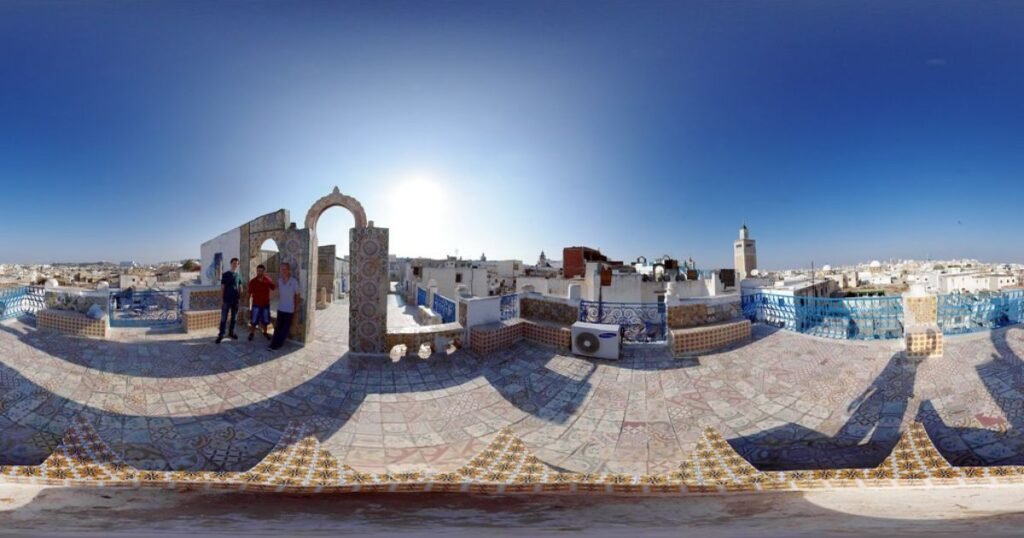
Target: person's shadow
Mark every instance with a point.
(864, 441)
(1000, 439)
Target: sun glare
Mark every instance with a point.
(416, 206)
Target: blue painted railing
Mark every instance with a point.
(149, 308)
(21, 301)
(860, 318)
(969, 312)
(640, 322)
(444, 307)
(509, 306)
(421, 296)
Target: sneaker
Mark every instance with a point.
(233, 336)
(250, 336)
(219, 338)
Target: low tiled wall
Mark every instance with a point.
(494, 336)
(197, 320)
(555, 311)
(924, 342)
(697, 314)
(71, 322)
(557, 336)
(414, 337)
(708, 337)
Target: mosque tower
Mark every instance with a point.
(744, 255)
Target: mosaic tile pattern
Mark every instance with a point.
(300, 464)
(205, 299)
(368, 297)
(920, 310)
(198, 320)
(924, 342)
(693, 315)
(548, 310)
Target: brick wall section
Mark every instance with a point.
(695, 315)
(544, 310)
(70, 322)
(414, 337)
(708, 338)
(494, 336)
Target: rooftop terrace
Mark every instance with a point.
(783, 401)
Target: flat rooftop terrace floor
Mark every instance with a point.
(784, 401)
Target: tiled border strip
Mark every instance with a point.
(298, 464)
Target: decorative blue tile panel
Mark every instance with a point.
(640, 322)
(444, 307)
(509, 306)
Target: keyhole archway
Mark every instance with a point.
(368, 268)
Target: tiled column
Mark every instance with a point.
(368, 313)
(921, 331)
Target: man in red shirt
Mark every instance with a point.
(259, 295)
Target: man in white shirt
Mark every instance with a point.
(289, 300)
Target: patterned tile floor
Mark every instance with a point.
(784, 401)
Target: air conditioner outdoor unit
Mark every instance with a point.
(596, 340)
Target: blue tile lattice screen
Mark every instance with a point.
(421, 296)
(21, 301)
(640, 322)
(969, 312)
(854, 318)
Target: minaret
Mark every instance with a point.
(744, 255)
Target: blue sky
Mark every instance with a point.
(838, 131)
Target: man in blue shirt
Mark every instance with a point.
(230, 286)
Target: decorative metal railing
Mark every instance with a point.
(860, 318)
(969, 312)
(509, 306)
(640, 322)
(444, 307)
(21, 301)
(421, 296)
(149, 308)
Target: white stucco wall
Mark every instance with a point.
(228, 244)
